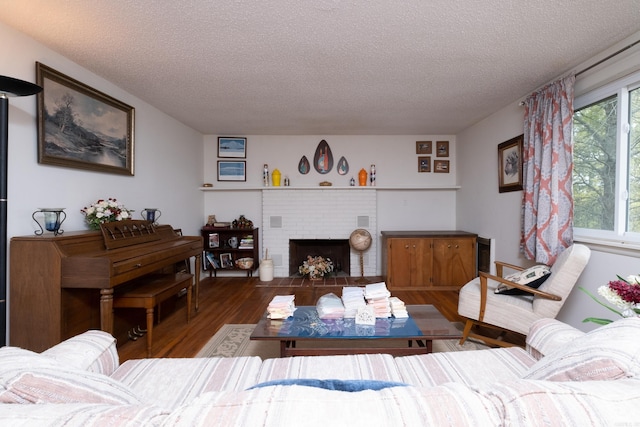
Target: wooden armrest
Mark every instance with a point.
(525, 288)
(500, 267)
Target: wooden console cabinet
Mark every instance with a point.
(429, 260)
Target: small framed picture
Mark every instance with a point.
(211, 219)
(424, 147)
(232, 171)
(232, 147)
(226, 261)
(424, 164)
(441, 166)
(214, 240)
(442, 149)
(510, 165)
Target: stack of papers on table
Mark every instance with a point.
(377, 296)
(398, 309)
(352, 298)
(281, 307)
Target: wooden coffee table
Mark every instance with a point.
(392, 336)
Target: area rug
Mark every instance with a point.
(233, 341)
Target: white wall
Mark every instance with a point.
(396, 165)
(168, 166)
(168, 169)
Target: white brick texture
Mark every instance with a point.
(317, 214)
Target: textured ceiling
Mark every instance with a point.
(241, 67)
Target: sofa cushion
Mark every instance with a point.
(81, 415)
(29, 377)
(447, 405)
(169, 383)
(607, 353)
(340, 385)
(465, 367)
(548, 335)
(93, 351)
(549, 403)
(532, 277)
(380, 367)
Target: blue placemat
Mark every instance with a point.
(306, 323)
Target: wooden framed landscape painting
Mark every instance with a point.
(81, 127)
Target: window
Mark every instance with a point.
(606, 153)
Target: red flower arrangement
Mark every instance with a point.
(624, 294)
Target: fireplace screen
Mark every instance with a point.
(337, 250)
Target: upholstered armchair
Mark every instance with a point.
(481, 306)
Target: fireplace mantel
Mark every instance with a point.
(377, 188)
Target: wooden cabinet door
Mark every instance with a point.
(453, 262)
(409, 263)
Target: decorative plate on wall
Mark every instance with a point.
(304, 166)
(343, 166)
(323, 159)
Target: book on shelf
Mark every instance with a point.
(213, 262)
(219, 224)
(246, 242)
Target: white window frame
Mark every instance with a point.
(618, 237)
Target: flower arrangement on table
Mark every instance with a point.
(624, 294)
(316, 267)
(102, 211)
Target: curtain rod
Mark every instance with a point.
(618, 52)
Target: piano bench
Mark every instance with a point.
(149, 291)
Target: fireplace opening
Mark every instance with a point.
(338, 250)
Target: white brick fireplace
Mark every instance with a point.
(322, 213)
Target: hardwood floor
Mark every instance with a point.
(244, 300)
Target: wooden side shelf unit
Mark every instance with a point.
(429, 260)
(219, 253)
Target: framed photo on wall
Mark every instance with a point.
(424, 147)
(510, 165)
(442, 148)
(81, 127)
(232, 171)
(441, 166)
(232, 147)
(424, 164)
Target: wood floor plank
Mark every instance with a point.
(239, 300)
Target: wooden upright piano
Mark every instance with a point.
(63, 285)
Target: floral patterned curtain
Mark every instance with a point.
(547, 205)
